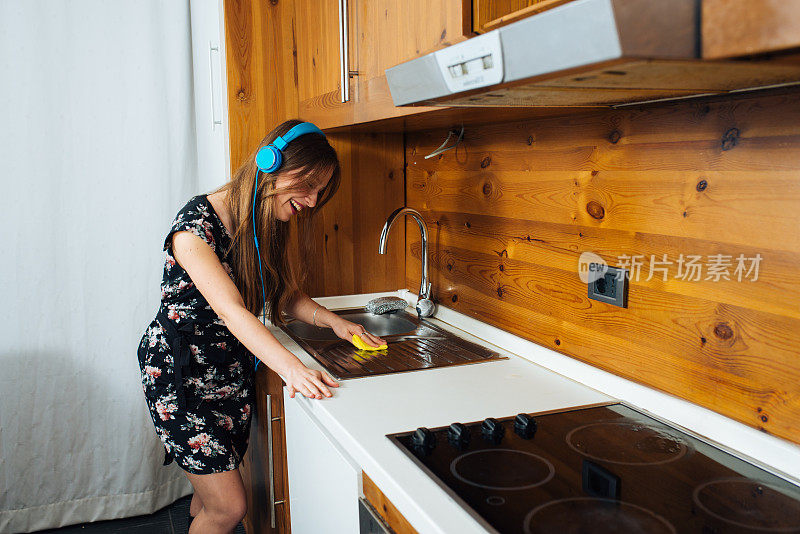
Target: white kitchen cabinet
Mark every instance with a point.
(210, 102)
(323, 480)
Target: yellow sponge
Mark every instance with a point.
(359, 343)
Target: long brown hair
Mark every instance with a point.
(316, 161)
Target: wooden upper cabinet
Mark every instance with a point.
(381, 34)
(318, 58)
(734, 28)
(319, 63)
(488, 15)
(392, 32)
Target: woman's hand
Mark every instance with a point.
(310, 383)
(345, 330)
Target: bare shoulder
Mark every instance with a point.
(188, 248)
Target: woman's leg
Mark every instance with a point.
(223, 499)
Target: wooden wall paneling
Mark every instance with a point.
(513, 208)
(261, 69)
(556, 246)
(650, 319)
(380, 189)
(345, 258)
(338, 231)
(734, 360)
(619, 200)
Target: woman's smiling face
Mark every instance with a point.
(297, 196)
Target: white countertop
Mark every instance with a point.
(363, 410)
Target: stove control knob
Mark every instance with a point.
(423, 439)
(458, 435)
(492, 430)
(525, 426)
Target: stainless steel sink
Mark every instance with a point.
(413, 344)
(388, 324)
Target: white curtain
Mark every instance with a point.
(97, 154)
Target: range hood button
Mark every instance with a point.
(476, 62)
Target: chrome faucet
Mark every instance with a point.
(425, 306)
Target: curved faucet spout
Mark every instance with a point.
(425, 286)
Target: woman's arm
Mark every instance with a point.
(205, 270)
(305, 309)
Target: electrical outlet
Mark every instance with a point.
(612, 287)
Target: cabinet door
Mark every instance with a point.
(490, 14)
(381, 34)
(319, 66)
(323, 482)
(392, 32)
(210, 102)
(264, 466)
(734, 28)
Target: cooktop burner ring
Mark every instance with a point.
(696, 497)
(551, 471)
(658, 438)
(631, 508)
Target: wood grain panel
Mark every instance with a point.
(346, 258)
(317, 24)
(254, 468)
(392, 32)
(381, 190)
(490, 14)
(742, 27)
(619, 200)
(558, 245)
(511, 210)
(756, 404)
(383, 33)
(385, 508)
(259, 40)
(338, 229)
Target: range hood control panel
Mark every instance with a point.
(476, 62)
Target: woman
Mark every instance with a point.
(196, 357)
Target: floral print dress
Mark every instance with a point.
(197, 377)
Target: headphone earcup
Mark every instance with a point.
(269, 159)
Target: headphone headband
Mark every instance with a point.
(270, 157)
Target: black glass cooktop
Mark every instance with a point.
(608, 469)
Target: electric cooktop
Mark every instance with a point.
(606, 469)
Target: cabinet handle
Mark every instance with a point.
(344, 52)
(271, 466)
(211, 50)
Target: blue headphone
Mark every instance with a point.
(269, 159)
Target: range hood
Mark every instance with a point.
(584, 52)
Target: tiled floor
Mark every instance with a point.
(169, 520)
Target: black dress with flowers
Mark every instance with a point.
(197, 377)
